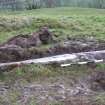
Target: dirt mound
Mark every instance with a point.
(43, 36)
(24, 41)
(78, 45)
(17, 48)
(11, 53)
(23, 47)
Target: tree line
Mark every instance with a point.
(76, 3)
(81, 3)
(34, 4)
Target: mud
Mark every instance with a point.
(23, 47)
(76, 91)
(70, 91)
(97, 81)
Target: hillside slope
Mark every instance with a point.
(63, 21)
(51, 84)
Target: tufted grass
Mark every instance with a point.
(64, 21)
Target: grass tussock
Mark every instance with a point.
(62, 21)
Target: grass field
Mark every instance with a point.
(63, 22)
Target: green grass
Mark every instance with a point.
(62, 21)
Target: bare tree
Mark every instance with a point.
(50, 3)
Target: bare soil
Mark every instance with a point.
(41, 44)
(65, 90)
(62, 89)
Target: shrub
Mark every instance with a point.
(33, 4)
